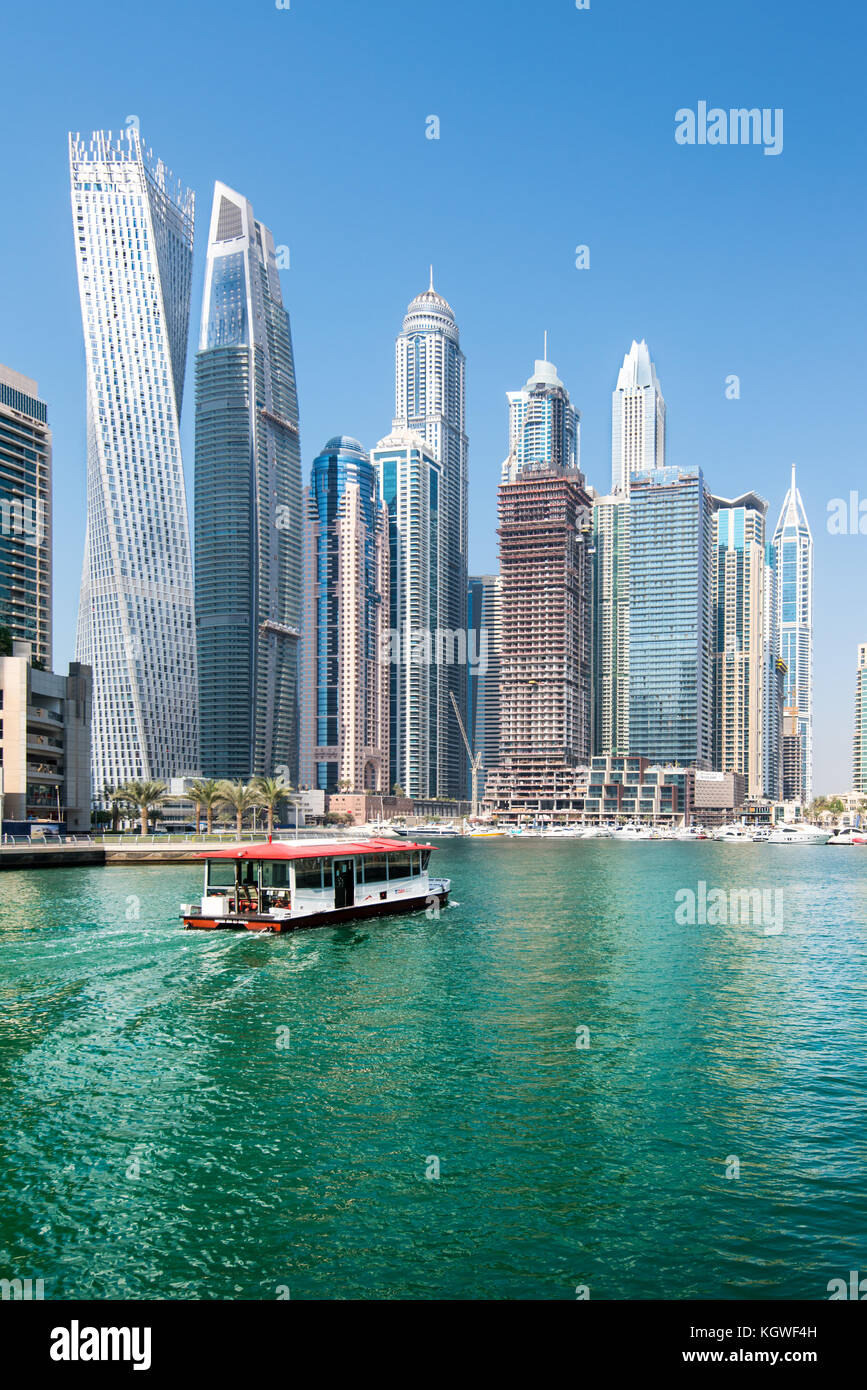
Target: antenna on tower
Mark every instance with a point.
(431, 280)
(545, 351)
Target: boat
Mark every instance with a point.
(849, 835)
(786, 834)
(281, 886)
(734, 835)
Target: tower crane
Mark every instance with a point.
(475, 760)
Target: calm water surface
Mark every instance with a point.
(162, 1134)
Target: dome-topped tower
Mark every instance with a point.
(430, 311)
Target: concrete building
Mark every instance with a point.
(793, 755)
(635, 789)
(44, 744)
(859, 781)
(637, 419)
(430, 402)
(741, 649)
(719, 796)
(409, 482)
(25, 514)
(793, 543)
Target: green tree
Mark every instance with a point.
(239, 797)
(143, 795)
(270, 792)
(205, 794)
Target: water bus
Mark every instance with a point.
(289, 884)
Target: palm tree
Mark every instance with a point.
(144, 795)
(269, 792)
(205, 794)
(239, 797)
(108, 794)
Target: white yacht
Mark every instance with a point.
(785, 834)
(734, 835)
(849, 835)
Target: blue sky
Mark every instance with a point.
(556, 129)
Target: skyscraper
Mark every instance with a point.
(409, 480)
(248, 505)
(670, 629)
(545, 623)
(793, 544)
(637, 419)
(741, 649)
(346, 619)
(611, 528)
(543, 424)
(25, 514)
(484, 609)
(859, 782)
(430, 400)
(133, 229)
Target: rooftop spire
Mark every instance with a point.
(431, 280)
(545, 349)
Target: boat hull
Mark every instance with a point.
(435, 896)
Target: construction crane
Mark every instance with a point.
(475, 761)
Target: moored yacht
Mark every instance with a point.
(279, 887)
(849, 835)
(786, 834)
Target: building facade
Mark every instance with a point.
(421, 653)
(133, 230)
(248, 514)
(25, 514)
(544, 426)
(741, 646)
(637, 419)
(346, 670)
(430, 400)
(484, 610)
(793, 756)
(44, 744)
(670, 617)
(793, 543)
(859, 783)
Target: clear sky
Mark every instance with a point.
(556, 130)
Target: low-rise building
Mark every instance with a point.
(44, 744)
(719, 797)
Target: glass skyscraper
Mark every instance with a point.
(248, 505)
(430, 400)
(346, 668)
(484, 610)
(410, 484)
(25, 514)
(670, 629)
(793, 543)
(133, 229)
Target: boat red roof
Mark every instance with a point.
(297, 849)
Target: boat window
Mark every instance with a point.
(328, 874)
(308, 874)
(221, 873)
(374, 867)
(275, 874)
(425, 859)
(400, 865)
(248, 876)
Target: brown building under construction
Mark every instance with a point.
(546, 574)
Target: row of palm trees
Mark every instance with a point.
(207, 795)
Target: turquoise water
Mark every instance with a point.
(163, 1136)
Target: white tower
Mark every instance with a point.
(793, 543)
(134, 244)
(637, 419)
